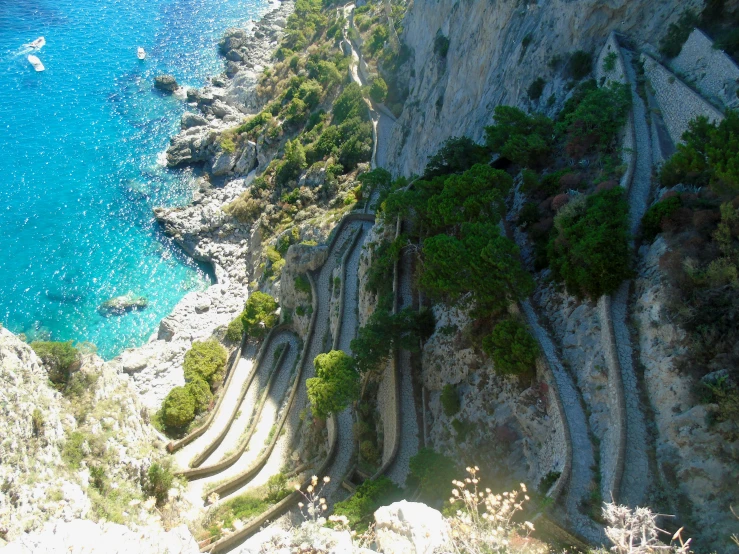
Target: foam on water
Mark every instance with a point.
(80, 160)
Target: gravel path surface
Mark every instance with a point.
(347, 332)
(581, 478)
(636, 474)
(235, 436)
(243, 369)
(409, 442)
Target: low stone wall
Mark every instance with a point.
(711, 71)
(678, 103)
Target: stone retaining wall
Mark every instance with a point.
(678, 103)
(711, 71)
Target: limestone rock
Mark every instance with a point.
(122, 304)
(302, 257)
(103, 538)
(247, 160)
(166, 83)
(410, 528)
(190, 120)
(223, 162)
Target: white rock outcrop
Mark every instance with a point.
(84, 536)
(410, 528)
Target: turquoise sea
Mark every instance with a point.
(78, 160)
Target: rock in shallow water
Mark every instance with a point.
(122, 304)
(166, 83)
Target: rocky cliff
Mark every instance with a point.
(496, 50)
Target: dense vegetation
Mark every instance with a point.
(512, 348)
(204, 366)
(57, 357)
(360, 507)
(335, 385)
(716, 19)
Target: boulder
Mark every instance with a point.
(314, 177)
(410, 528)
(223, 163)
(248, 158)
(119, 305)
(190, 120)
(166, 83)
(233, 39)
(190, 146)
(302, 257)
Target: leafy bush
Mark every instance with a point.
(159, 480)
(378, 90)
(594, 124)
(455, 155)
(709, 155)
(369, 496)
(235, 330)
(72, 452)
(432, 473)
(178, 409)
(205, 360)
(450, 400)
(511, 347)
(677, 33)
(259, 315)
(609, 62)
(656, 214)
(57, 357)
(379, 36)
(256, 121)
(589, 249)
(536, 88)
(349, 104)
(480, 262)
(293, 162)
(200, 392)
(524, 139)
(302, 284)
(580, 65)
(335, 385)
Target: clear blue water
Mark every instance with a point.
(78, 160)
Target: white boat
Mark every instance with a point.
(140, 53)
(36, 63)
(37, 44)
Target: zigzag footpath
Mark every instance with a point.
(316, 342)
(627, 473)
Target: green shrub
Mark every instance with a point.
(595, 122)
(536, 88)
(349, 104)
(256, 121)
(580, 65)
(178, 409)
(656, 214)
(72, 450)
(335, 385)
(369, 496)
(450, 400)
(200, 392)
(708, 155)
(276, 487)
(481, 262)
(432, 473)
(159, 481)
(378, 90)
(589, 249)
(609, 62)
(57, 358)
(235, 330)
(524, 139)
(293, 162)
(512, 348)
(260, 314)
(547, 481)
(677, 33)
(205, 360)
(377, 40)
(302, 284)
(37, 422)
(457, 154)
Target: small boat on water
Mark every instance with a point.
(36, 63)
(140, 53)
(37, 44)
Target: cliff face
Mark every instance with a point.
(496, 50)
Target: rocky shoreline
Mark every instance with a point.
(201, 228)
